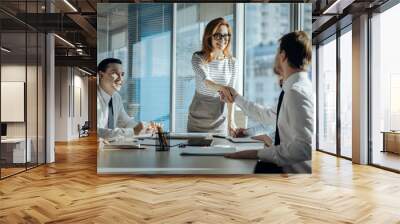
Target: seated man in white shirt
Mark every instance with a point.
(112, 119)
(294, 113)
(261, 131)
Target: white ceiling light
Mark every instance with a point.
(65, 41)
(5, 50)
(70, 5)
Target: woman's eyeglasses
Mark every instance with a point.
(220, 36)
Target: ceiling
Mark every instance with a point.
(331, 15)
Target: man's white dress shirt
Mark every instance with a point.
(123, 123)
(295, 121)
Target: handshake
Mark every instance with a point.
(227, 94)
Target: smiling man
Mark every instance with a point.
(112, 120)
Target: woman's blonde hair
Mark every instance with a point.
(210, 30)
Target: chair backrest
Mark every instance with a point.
(86, 125)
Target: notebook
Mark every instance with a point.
(207, 151)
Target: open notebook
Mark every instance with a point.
(207, 151)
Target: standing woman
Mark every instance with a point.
(214, 68)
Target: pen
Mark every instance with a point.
(219, 136)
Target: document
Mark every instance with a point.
(239, 140)
(207, 151)
(177, 135)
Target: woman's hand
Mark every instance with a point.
(138, 128)
(238, 132)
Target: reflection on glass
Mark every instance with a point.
(140, 36)
(15, 150)
(385, 84)
(190, 28)
(327, 96)
(23, 86)
(346, 94)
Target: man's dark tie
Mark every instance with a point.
(277, 138)
(110, 115)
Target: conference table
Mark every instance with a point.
(151, 161)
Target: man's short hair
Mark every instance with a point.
(298, 49)
(104, 63)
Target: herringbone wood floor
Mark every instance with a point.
(70, 191)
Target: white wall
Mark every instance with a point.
(33, 126)
(69, 85)
(17, 73)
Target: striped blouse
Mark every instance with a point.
(222, 72)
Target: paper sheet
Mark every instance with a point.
(207, 151)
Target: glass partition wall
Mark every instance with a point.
(22, 77)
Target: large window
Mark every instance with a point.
(385, 84)
(327, 96)
(335, 137)
(264, 25)
(140, 35)
(346, 93)
(306, 22)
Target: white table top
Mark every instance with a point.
(150, 161)
(14, 140)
